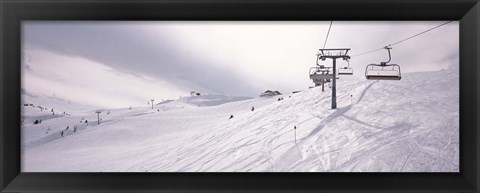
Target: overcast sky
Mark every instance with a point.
(118, 64)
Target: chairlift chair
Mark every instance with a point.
(383, 71)
(320, 75)
(318, 70)
(346, 70)
(379, 72)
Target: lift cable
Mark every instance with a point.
(325, 43)
(404, 39)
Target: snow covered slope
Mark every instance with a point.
(410, 125)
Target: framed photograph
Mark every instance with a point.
(247, 96)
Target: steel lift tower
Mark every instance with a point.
(334, 54)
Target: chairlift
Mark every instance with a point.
(347, 70)
(319, 70)
(383, 71)
(378, 72)
(320, 75)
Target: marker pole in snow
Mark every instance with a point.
(152, 102)
(295, 133)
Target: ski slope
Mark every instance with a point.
(410, 125)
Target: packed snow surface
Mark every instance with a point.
(411, 125)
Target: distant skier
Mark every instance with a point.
(61, 134)
(253, 108)
(231, 117)
(86, 122)
(67, 127)
(75, 128)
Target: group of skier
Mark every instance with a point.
(74, 128)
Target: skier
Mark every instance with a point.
(75, 128)
(253, 108)
(231, 117)
(86, 122)
(61, 134)
(67, 127)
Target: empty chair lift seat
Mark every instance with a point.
(390, 72)
(345, 71)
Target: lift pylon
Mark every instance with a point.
(333, 54)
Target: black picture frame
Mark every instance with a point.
(12, 12)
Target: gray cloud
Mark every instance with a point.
(124, 46)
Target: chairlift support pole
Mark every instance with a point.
(98, 116)
(334, 84)
(323, 85)
(334, 54)
(389, 56)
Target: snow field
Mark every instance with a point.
(410, 125)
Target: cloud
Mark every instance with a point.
(132, 47)
(89, 82)
(237, 58)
